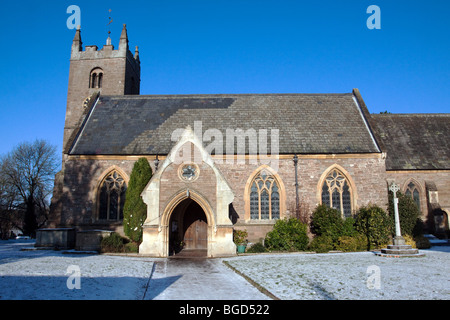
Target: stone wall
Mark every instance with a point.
(366, 173)
(440, 179)
(76, 204)
(82, 178)
(171, 184)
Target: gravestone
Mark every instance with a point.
(59, 238)
(90, 240)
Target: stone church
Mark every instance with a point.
(232, 161)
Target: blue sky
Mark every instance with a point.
(216, 46)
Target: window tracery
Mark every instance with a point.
(412, 191)
(264, 197)
(336, 193)
(112, 197)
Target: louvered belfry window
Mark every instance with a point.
(336, 193)
(112, 197)
(264, 197)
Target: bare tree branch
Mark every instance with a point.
(26, 182)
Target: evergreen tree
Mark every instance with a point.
(409, 214)
(135, 210)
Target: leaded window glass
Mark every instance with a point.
(336, 193)
(413, 192)
(112, 197)
(325, 195)
(275, 203)
(264, 197)
(254, 203)
(346, 201)
(336, 197)
(264, 204)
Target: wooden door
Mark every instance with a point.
(196, 235)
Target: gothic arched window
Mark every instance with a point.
(264, 197)
(112, 197)
(412, 191)
(336, 193)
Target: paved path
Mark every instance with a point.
(198, 279)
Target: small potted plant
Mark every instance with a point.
(240, 240)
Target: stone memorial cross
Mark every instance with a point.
(398, 236)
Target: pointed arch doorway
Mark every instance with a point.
(188, 230)
(165, 196)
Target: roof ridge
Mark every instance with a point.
(225, 95)
(412, 114)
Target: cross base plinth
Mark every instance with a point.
(399, 241)
(400, 250)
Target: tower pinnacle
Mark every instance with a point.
(77, 43)
(123, 37)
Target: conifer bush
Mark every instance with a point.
(135, 210)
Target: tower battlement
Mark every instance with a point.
(106, 52)
(107, 71)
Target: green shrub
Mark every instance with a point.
(408, 213)
(131, 247)
(348, 228)
(257, 248)
(287, 235)
(240, 237)
(326, 221)
(341, 234)
(113, 243)
(347, 244)
(361, 241)
(321, 244)
(135, 210)
(375, 225)
(422, 242)
(410, 241)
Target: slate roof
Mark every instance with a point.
(307, 123)
(414, 141)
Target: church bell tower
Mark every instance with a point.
(106, 72)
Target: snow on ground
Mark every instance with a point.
(43, 274)
(355, 276)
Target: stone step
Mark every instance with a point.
(399, 247)
(387, 253)
(400, 251)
